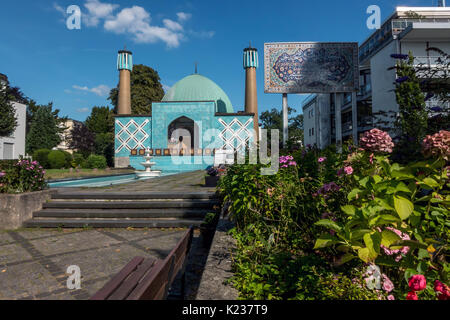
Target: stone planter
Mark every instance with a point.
(211, 181)
(17, 208)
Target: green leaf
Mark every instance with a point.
(403, 206)
(344, 259)
(401, 187)
(363, 182)
(358, 234)
(408, 243)
(329, 224)
(365, 255)
(430, 182)
(325, 240)
(389, 237)
(373, 242)
(348, 209)
(353, 193)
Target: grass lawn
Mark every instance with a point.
(54, 174)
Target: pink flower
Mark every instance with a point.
(376, 140)
(391, 297)
(412, 296)
(348, 170)
(437, 145)
(322, 159)
(388, 286)
(417, 282)
(2, 174)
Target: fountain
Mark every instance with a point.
(148, 173)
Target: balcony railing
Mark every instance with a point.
(388, 30)
(400, 25)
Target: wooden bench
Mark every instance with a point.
(149, 279)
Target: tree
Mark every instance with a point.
(8, 119)
(104, 145)
(82, 139)
(44, 130)
(101, 120)
(411, 122)
(145, 89)
(273, 119)
(436, 84)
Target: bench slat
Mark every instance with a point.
(154, 282)
(116, 281)
(132, 281)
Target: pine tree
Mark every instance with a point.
(44, 131)
(8, 119)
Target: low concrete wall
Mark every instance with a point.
(17, 208)
(218, 266)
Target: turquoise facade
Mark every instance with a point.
(210, 131)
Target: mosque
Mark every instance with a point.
(186, 129)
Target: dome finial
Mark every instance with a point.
(196, 67)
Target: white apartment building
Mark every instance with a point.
(13, 147)
(330, 119)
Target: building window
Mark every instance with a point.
(312, 131)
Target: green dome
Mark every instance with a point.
(199, 88)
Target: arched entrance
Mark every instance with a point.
(183, 130)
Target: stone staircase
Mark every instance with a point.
(124, 210)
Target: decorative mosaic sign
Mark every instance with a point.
(311, 67)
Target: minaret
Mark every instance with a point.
(251, 97)
(125, 66)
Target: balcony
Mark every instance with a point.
(400, 25)
(395, 27)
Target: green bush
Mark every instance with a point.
(69, 158)
(96, 162)
(78, 160)
(41, 156)
(57, 159)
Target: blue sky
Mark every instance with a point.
(76, 68)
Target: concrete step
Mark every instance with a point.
(134, 196)
(121, 213)
(197, 204)
(112, 223)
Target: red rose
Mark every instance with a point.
(412, 296)
(439, 286)
(417, 282)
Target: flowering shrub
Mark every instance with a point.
(287, 161)
(437, 145)
(367, 210)
(376, 140)
(21, 176)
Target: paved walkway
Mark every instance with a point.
(33, 263)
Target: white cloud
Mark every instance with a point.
(166, 88)
(97, 11)
(136, 22)
(100, 90)
(83, 110)
(183, 16)
(172, 25)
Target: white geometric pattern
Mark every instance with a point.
(132, 135)
(235, 134)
